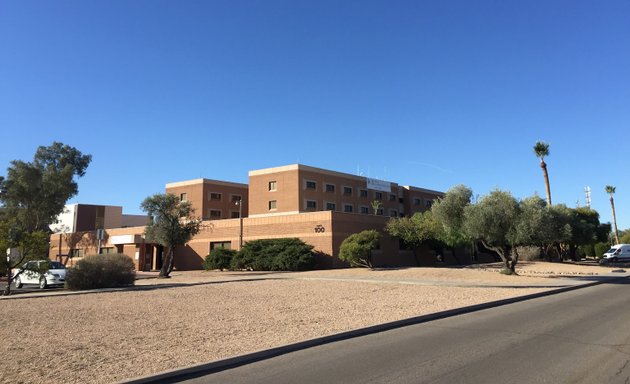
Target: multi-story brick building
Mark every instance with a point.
(319, 206)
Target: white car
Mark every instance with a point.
(44, 273)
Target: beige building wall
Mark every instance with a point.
(212, 199)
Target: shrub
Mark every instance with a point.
(600, 248)
(587, 250)
(357, 248)
(219, 258)
(289, 254)
(101, 271)
(528, 253)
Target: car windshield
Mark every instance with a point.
(611, 250)
(56, 265)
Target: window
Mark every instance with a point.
(272, 185)
(392, 197)
(417, 201)
(380, 212)
(365, 210)
(214, 214)
(183, 197)
(220, 244)
(215, 196)
(330, 187)
(234, 215)
(311, 204)
(347, 208)
(330, 206)
(272, 205)
(393, 213)
(236, 198)
(75, 252)
(311, 184)
(107, 250)
(347, 190)
(378, 195)
(363, 193)
(428, 203)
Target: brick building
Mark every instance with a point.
(319, 206)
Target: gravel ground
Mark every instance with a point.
(107, 337)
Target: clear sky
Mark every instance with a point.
(425, 93)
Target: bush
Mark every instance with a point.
(289, 254)
(587, 250)
(220, 258)
(528, 253)
(101, 271)
(600, 248)
(357, 248)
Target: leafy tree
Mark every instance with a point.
(172, 224)
(493, 221)
(357, 248)
(415, 231)
(541, 149)
(449, 215)
(33, 194)
(610, 190)
(625, 237)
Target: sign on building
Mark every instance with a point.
(378, 185)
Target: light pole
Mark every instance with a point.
(239, 202)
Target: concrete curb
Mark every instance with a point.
(202, 369)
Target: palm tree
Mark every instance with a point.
(376, 205)
(541, 149)
(611, 190)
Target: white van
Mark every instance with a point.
(618, 252)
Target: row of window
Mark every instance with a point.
(213, 196)
(215, 214)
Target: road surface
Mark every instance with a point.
(582, 336)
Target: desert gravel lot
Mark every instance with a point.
(111, 336)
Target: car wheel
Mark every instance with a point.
(614, 259)
(43, 283)
(18, 282)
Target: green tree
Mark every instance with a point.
(541, 149)
(33, 194)
(415, 231)
(625, 237)
(357, 248)
(171, 224)
(449, 214)
(610, 190)
(492, 221)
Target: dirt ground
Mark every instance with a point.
(204, 316)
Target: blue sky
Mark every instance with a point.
(426, 93)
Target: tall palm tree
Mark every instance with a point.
(611, 191)
(541, 149)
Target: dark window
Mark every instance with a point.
(272, 185)
(347, 208)
(311, 204)
(215, 196)
(365, 210)
(311, 184)
(235, 215)
(378, 195)
(272, 205)
(330, 206)
(392, 197)
(220, 244)
(363, 193)
(417, 201)
(214, 214)
(330, 188)
(347, 190)
(183, 197)
(428, 203)
(236, 198)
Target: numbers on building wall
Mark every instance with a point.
(320, 228)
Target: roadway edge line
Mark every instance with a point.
(203, 369)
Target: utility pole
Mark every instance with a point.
(239, 202)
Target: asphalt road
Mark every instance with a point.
(582, 336)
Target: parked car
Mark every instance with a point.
(44, 273)
(619, 252)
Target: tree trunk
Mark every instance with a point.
(455, 256)
(543, 165)
(612, 205)
(166, 269)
